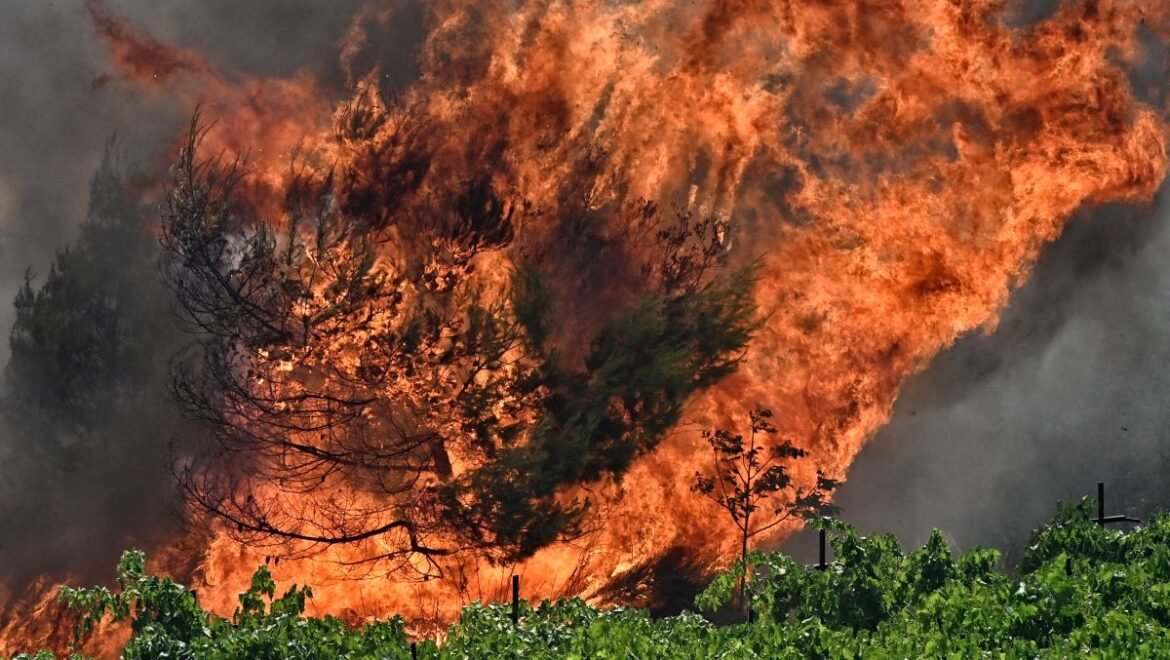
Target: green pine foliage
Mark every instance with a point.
(1081, 591)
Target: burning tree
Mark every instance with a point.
(380, 372)
(749, 475)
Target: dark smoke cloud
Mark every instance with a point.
(55, 121)
(53, 126)
(1072, 389)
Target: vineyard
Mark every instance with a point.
(1081, 588)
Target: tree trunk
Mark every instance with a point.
(743, 558)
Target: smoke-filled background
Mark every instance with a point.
(1069, 390)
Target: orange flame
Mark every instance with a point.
(896, 165)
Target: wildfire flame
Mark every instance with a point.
(895, 165)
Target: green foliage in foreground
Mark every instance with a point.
(1082, 590)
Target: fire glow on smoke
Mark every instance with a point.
(896, 166)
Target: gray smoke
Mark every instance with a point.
(54, 127)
